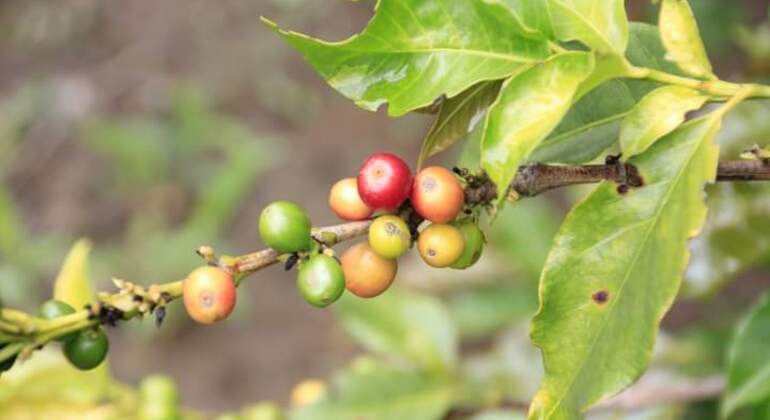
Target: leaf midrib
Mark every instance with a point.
(453, 50)
(673, 183)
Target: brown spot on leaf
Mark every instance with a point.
(601, 297)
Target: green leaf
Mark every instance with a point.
(457, 117)
(414, 51)
(599, 24)
(593, 124)
(680, 35)
(483, 310)
(530, 105)
(372, 391)
(413, 327)
(657, 114)
(748, 361)
(615, 269)
(73, 284)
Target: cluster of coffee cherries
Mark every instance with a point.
(385, 188)
(84, 349)
(399, 204)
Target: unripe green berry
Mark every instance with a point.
(285, 227)
(54, 309)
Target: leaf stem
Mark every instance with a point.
(712, 87)
(717, 88)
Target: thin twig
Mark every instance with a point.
(640, 396)
(134, 300)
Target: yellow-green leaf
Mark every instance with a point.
(73, 284)
(615, 269)
(414, 51)
(680, 35)
(657, 114)
(456, 118)
(599, 24)
(530, 105)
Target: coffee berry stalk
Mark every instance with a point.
(384, 195)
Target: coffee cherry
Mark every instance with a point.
(321, 280)
(54, 309)
(209, 294)
(367, 274)
(437, 195)
(389, 236)
(87, 350)
(307, 392)
(285, 227)
(8, 363)
(474, 244)
(440, 245)
(345, 201)
(384, 181)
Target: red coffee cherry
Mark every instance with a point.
(209, 294)
(384, 181)
(367, 274)
(345, 201)
(437, 195)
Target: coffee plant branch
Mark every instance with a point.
(23, 333)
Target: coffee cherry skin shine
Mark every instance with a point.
(384, 182)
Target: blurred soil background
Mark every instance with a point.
(152, 127)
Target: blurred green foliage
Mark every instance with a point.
(469, 345)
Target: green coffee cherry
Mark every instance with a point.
(474, 244)
(321, 280)
(285, 227)
(87, 350)
(55, 309)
